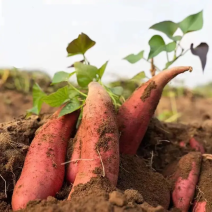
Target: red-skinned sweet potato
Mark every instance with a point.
(99, 138)
(42, 174)
(196, 145)
(185, 179)
(134, 115)
(72, 167)
(203, 197)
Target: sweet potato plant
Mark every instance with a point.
(107, 125)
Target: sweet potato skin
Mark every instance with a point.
(99, 138)
(72, 167)
(196, 145)
(203, 198)
(42, 174)
(135, 114)
(199, 207)
(185, 180)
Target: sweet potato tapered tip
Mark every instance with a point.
(134, 115)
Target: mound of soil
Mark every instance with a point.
(141, 185)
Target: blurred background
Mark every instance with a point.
(34, 35)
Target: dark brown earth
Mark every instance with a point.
(141, 185)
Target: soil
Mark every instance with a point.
(14, 104)
(193, 109)
(142, 185)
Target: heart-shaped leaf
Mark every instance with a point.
(70, 107)
(61, 76)
(85, 73)
(138, 77)
(80, 45)
(117, 90)
(72, 65)
(133, 58)
(177, 38)
(157, 45)
(201, 51)
(170, 47)
(167, 27)
(60, 96)
(192, 23)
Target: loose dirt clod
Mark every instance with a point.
(117, 198)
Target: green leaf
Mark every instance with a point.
(61, 76)
(72, 106)
(177, 38)
(37, 95)
(170, 46)
(34, 110)
(85, 73)
(72, 93)
(167, 27)
(102, 69)
(117, 90)
(59, 97)
(138, 77)
(37, 92)
(133, 58)
(80, 45)
(192, 23)
(169, 63)
(157, 45)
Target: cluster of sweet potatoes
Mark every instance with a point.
(101, 137)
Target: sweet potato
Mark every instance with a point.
(185, 179)
(134, 115)
(199, 207)
(182, 144)
(72, 167)
(99, 136)
(203, 198)
(196, 145)
(42, 174)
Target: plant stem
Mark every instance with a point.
(167, 56)
(85, 59)
(185, 52)
(77, 90)
(150, 63)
